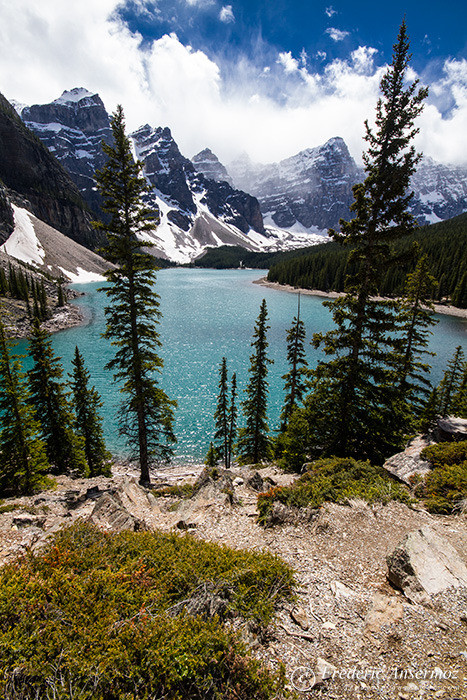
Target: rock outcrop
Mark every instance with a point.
(408, 463)
(423, 565)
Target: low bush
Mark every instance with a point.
(446, 485)
(337, 480)
(445, 453)
(106, 617)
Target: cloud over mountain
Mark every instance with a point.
(270, 108)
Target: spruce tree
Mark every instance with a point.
(146, 414)
(358, 407)
(295, 379)
(64, 447)
(415, 319)
(452, 382)
(211, 457)
(232, 418)
(88, 422)
(23, 460)
(221, 435)
(254, 443)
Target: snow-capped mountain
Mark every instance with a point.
(314, 187)
(195, 211)
(440, 191)
(207, 163)
(73, 128)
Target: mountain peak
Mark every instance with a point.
(207, 163)
(74, 95)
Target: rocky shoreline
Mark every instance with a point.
(445, 309)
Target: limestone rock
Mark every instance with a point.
(405, 464)
(256, 482)
(340, 590)
(423, 565)
(110, 514)
(451, 429)
(384, 610)
(300, 617)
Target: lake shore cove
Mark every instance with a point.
(127, 602)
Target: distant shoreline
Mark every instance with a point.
(444, 309)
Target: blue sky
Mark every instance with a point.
(269, 78)
(437, 29)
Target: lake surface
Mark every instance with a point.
(209, 314)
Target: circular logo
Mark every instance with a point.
(303, 679)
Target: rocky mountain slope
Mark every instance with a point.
(195, 210)
(314, 187)
(34, 179)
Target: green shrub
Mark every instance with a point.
(446, 488)
(106, 617)
(178, 490)
(445, 453)
(337, 480)
(446, 485)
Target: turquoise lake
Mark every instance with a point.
(208, 314)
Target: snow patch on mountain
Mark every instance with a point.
(82, 276)
(23, 244)
(74, 95)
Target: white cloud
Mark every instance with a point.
(289, 63)
(363, 59)
(330, 11)
(270, 112)
(226, 15)
(337, 34)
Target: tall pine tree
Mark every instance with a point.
(357, 407)
(23, 460)
(221, 435)
(88, 422)
(232, 417)
(450, 389)
(64, 447)
(415, 319)
(146, 414)
(296, 377)
(254, 443)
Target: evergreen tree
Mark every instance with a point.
(365, 413)
(221, 416)
(88, 423)
(232, 418)
(295, 379)
(4, 286)
(429, 413)
(415, 319)
(452, 381)
(64, 447)
(43, 309)
(23, 460)
(254, 444)
(211, 457)
(61, 297)
(459, 399)
(146, 415)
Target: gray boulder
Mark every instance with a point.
(408, 463)
(110, 514)
(423, 565)
(451, 429)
